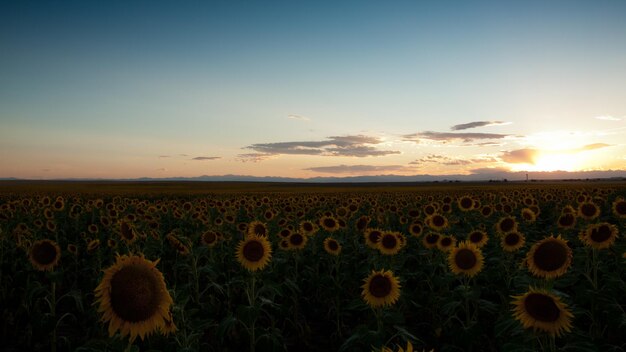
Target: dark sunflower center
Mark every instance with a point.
(486, 211)
(588, 210)
(259, 229)
(465, 259)
(332, 245)
(446, 241)
(209, 237)
(374, 236)
(432, 239)
(135, 293)
(476, 237)
(330, 223)
(527, 215)
(466, 203)
(512, 239)
(550, 256)
(389, 241)
(126, 231)
(620, 207)
(44, 253)
(566, 220)
(542, 307)
(296, 239)
(438, 220)
(507, 225)
(416, 229)
(253, 251)
(380, 286)
(601, 233)
(307, 226)
(361, 224)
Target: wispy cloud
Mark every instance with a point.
(355, 146)
(298, 117)
(451, 136)
(206, 158)
(161, 169)
(594, 146)
(163, 156)
(608, 118)
(448, 161)
(465, 126)
(358, 169)
(254, 157)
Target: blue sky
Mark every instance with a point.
(141, 88)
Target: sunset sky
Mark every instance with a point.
(124, 89)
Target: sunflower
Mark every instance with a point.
(506, 225)
(44, 255)
(465, 203)
(372, 236)
(390, 243)
(529, 215)
(381, 289)
(466, 259)
(600, 236)
(209, 239)
(416, 229)
(430, 240)
(133, 298)
(588, 210)
(549, 258)
(619, 208)
(254, 252)
(329, 223)
(331, 246)
(127, 232)
(566, 221)
(512, 241)
(437, 222)
(297, 241)
(72, 248)
(478, 237)
(308, 228)
(362, 222)
(446, 243)
(486, 211)
(542, 311)
(93, 245)
(257, 228)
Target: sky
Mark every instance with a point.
(125, 89)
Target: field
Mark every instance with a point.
(94, 266)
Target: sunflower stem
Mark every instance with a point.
(53, 305)
(129, 347)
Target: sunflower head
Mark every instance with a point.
(44, 255)
(209, 238)
(430, 240)
(133, 298)
(381, 289)
(332, 246)
(478, 237)
(257, 228)
(437, 222)
(528, 215)
(466, 259)
(506, 225)
(254, 252)
(329, 223)
(600, 236)
(416, 229)
(588, 210)
(465, 203)
(446, 243)
(297, 241)
(308, 228)
(542, 311)
(512, 241)
(549, 258)
(390, 243)
(372, 236)
(619, 208)
(567, 220)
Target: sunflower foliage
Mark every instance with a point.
(444, 268)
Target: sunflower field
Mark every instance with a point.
(519, 267)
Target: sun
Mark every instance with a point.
(557, 162)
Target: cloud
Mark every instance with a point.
(520, 156)
(358, 169)
(183, 154)
(594, 146)
(355, 146)
(298, 117)
(161, 169)
(465, 126)
(451, 136)
(608, 118)
(254, 157)
(206, 158)
(163, 156)
(448, 161)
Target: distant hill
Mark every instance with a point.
(478, 175)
